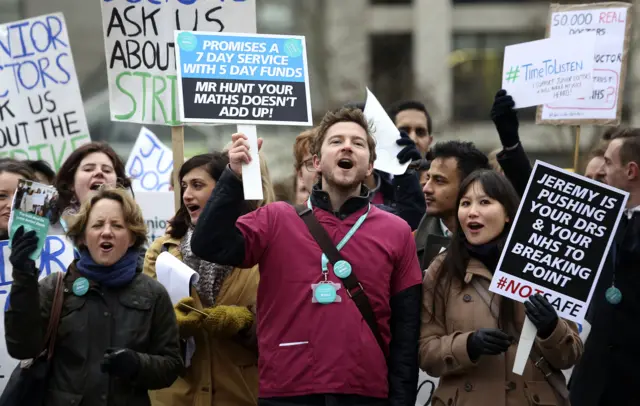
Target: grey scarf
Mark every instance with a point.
(211, 275)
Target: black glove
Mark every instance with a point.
(410, 151)
(542, 314)
(22, 245)
(120, 362)
(505, 118)
(487, 341)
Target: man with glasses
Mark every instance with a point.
(305, 171)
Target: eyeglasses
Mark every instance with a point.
(308, 164)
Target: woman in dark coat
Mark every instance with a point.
(118, 337)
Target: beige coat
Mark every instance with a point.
(489, 381)
(223, 372)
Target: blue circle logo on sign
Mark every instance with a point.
(293, 48)
(187, 41)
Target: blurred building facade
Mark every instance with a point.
(446, 53)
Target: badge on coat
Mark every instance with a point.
(325, 292)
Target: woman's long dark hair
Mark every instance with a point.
(456, 260)
(214, 163)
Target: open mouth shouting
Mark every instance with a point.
(193, 209)
(475, 227)
(106, 247)
(95, 185)
(345, 163)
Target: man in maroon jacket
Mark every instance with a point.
(315, 351)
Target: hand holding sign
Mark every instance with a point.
(542, 315)
(239, 153)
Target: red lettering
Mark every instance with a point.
(539, 291)
(512, 286)
(603, 15)
(525, 295)
(611, 17)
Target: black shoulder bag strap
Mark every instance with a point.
(554, 377)
(351, 284)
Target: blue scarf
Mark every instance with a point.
(113, 276)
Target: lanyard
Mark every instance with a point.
(346, 238)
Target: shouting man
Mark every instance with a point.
(319, 349)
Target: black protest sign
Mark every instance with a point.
(560, 239)
(243, 78)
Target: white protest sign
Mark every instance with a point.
(609, 21)
(559, 240)
(426, 387)
(41, 111)
(157, 208)
(138, 37)
(56, 256)
(150, 163)
(386, 134)
(549, 70)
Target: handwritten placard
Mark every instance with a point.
(549, 70)
(150, 163)
(56, 256)
(140, 53)
(610, 23)
(41, 112)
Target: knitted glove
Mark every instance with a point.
(227, 321)
(189, 321)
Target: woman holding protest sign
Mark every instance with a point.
(468, 335)
(117, 336)
(219, 317)
(11, 172)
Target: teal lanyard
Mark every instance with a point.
(346, 238)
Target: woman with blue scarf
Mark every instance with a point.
(117, 337)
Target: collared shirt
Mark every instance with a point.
(629, 212)
(445, 230)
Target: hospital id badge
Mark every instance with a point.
(325, 293)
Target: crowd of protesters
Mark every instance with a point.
(278, 319)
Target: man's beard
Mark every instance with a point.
(344, 185)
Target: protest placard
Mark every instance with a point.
(613, 29)
(32, 208)
(243, 78)
(559, 240)
(549, 70)
(150, 163)
(41, 112)
(138, 37)
(56, 256)
(157, 208)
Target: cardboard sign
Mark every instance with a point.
(138, 37)
(612, 25)
(41, 112)
(559, 240)
(549, 70)
(157, 208)
(243, 78)
(150, 163)
(56, 256)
